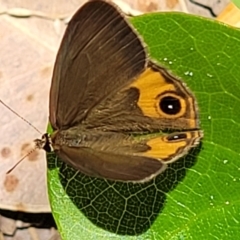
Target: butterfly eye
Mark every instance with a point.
(170, 105)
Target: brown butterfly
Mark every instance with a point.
(111, 109)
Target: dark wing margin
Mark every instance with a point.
(100, 53)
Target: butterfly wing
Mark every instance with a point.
(109, 165)
(99, 54)
(123, 157)
(155, 101)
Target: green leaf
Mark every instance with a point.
(197, 197)
(236, 2)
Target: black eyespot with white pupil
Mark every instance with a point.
(176, 137)
(170, 105)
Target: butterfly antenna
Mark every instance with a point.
(20, 116)
(30, 152)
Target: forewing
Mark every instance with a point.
(99, 54)
(154, 102)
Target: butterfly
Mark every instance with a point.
(115, 114)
